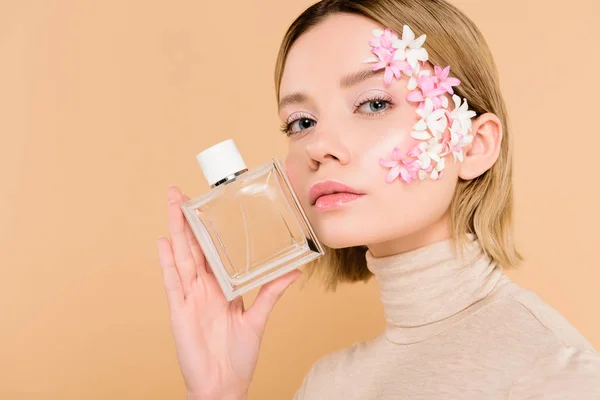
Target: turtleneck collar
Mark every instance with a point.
(424, 290)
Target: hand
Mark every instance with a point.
(217, 341)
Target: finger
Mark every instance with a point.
(171, 280)
(181, 250)
(173, 193)
(201, 264)
(237, 305)
(268, 295)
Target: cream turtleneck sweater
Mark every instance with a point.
(458, 330)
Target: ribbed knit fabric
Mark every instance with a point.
(458, 329)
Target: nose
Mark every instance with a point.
(326, 148)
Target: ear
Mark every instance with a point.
(484, 150)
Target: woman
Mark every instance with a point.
(395, 106)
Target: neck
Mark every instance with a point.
(423, 288)
(436, 232)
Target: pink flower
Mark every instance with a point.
(443, 81)
(383, 38)
(392, 62)
(401, 166)
(427, 87)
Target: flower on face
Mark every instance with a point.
(413, 47)
(438, 171)
(430, 150)
(415, 78)
(434, 121)
(457, 142)
(427, 88)
(393, 63)
(383, 38)
(443, 80)
(439, 130)
(461, 115)
(401, 167)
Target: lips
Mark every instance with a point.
(329, 187)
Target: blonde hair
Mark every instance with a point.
(482, 206)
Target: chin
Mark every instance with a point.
(341, 235)
(340, 242)
(337, 234)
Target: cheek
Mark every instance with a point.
(415, 205)
(398, 138)
(417, 195)
(387, 133)
(379, 143)
(381, 148)
(290, 170)
(293, 169)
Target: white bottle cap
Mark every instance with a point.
(220, 161)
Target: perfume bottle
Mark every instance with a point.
(250, 225)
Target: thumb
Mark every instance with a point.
(268, 295)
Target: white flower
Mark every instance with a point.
(444, 101)
(458, 155)
(460, 135)
(434, 120)
(439, 167)
(435, 173)
(457, 142)
(413, 47)
(461, 116)
(430, 150)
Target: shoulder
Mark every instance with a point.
(556, 328)
(564, 372)
(516, 321)
(337, 366)
(564, 364)
(341, 360)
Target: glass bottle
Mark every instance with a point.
(250, 225)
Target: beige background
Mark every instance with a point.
(105, 103)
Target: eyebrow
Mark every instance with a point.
(357, 77)
(347, 81)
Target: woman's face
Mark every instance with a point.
(341, 129)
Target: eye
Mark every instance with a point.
(375, 105)
(302, 123)
(298, 124)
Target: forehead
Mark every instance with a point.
(334, 47)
